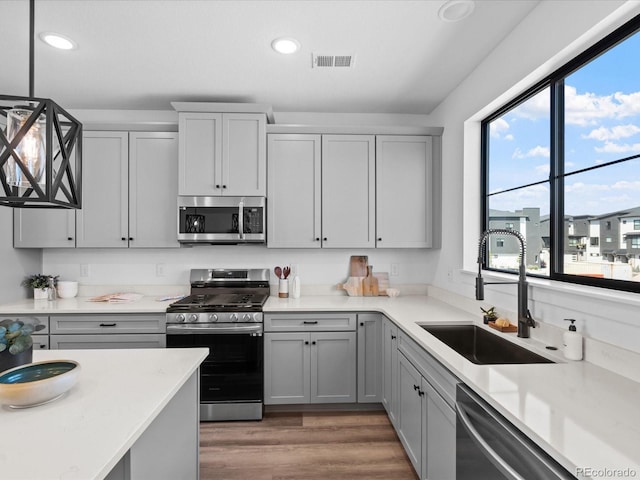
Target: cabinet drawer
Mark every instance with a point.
(98, 324)
(40, 342)
(33, 319)
(438, 376)
(75, 342)
(309, 322)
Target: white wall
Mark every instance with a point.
(553, 33)
(321, 267)
(14, 264)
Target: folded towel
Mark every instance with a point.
(117, 298)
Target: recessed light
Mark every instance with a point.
(285, 45)
(456, 10)
(56, 40)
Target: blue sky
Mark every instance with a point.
(602, 123)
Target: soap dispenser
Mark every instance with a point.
(572, 342)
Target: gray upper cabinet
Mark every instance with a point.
(321, 191)
(153, 166)
(44, 228)
(348, 191)
(294, 179)
(129, 191)
(103, 219)
(404, 191)
(222, 154)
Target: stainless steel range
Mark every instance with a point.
(224, 313)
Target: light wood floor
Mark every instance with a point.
(304, 446)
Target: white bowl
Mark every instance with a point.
(67, 289)
(37, 383)
(393, 292)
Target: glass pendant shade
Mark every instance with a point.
(31, 149)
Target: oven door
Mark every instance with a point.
(232, 375)
(221, 219)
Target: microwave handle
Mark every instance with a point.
(241, 220)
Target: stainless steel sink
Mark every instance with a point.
(482, 347)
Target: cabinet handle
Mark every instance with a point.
(421, 393)
(362, 324)
(224, 186)
(313, 343)
(393, 337)
(324, 239)
(124, 238)
(41, 347)
(130, 238)
(310, 322)
(107, 324)
(317, 239)
(217, 186)
(379, 239)
(306, 342)
(69, 238)
(416, 387)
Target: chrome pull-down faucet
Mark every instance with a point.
(524, 316)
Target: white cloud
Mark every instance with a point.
(509, 137)
(498, 127)
(614, 133)
(587, 108)
(537, 107)
(544, 168)
(611, 147)
(537, 151)
(626, 185)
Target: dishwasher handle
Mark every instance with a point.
(492, 455)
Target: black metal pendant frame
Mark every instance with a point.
(61, 189)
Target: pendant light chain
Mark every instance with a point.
(32, 33)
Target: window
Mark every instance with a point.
(563, 160)
(509, 226)
(635, 242)
(500, 243)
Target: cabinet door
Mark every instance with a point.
(441, 436)
(293, 208)
(390, 369)
(103, 219)
(40, 342)
(44, 228)
(348, 191)
(369, 358)
(286, 368)
(200, 151)
(153, 166)
(333, 367)
(244, 154)
(410, 419)
(404, 203)
(76, 342)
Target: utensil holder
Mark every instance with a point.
(283, 288)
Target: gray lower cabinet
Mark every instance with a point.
(369, 358)
(41, 338)
(426, 421)
(310, 358)
(107, 331)
(390, 369)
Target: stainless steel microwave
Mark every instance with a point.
(229, 220)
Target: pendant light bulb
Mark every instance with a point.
(31, 149)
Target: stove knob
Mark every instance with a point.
(246, 317)
(234, 317)
(180, 317)
(193, 317)
(213, 317)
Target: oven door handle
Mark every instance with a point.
(241, 220)
(254, 329)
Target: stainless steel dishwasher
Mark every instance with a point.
(489, 447)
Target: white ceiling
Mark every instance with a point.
(143, 54)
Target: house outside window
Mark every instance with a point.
(575, 134)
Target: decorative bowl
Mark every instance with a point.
(67, 289)
(393, 292)
(37, 383)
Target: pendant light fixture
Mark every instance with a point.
(41, 148)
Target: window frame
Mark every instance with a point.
(555, 83)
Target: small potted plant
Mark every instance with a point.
(16, 344)
(490, 314)
(40, 284)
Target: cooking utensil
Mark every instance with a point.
(278, 272)
(286, 272)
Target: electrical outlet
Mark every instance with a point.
(84, 270)
(450, 274)
(160, 269)
(394, 270)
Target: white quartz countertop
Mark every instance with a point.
(585, 416)
(83, 435)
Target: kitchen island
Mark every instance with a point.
(132, 414)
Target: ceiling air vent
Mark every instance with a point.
(332, 61)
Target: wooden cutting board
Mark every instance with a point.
(383, 282)
(358, 266)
